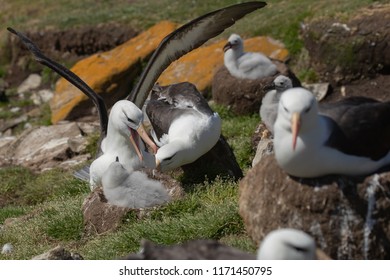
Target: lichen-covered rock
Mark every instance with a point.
(109, 74)
(345, 51)
(45, 147)
(348, 216)
(199, 66)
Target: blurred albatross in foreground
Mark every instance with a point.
(287, 244)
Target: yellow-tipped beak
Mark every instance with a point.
(295, 125)
(141, 131)
(158, 165)
(135, 144)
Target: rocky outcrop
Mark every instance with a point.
(109, 74)
(99, 216)
(46, 147)
(344, 51)
(347, 216)
(200, 65)
(243, 96)
(70, 45)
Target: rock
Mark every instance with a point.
(42, 96)
(244, 96)
(264, 144)
(101, 217)
(6, 140)
(58, 253)
(345, 51)
(9, 124)
(70, 45)
(109, 74)
(320, 90)
(78, 144)
(7, 249)
(199, 66)
(347, 216)
(15, 109)
(41, 148)
(219, 161)
(32, 82)
(89, 127)
(191, 250)
(377, 88)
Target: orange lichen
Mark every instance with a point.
(198, 66)
(101, 70)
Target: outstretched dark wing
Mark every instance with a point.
(69, 76)
(185, 39)
(361, 126)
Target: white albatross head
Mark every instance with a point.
(297, 112)
(235, 44)
(287, 244)
(171, 156)
(282, 83)
(126, 119)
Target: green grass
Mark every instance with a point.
(209, 211)
(31, 189)
(43, 210)
(280, 19)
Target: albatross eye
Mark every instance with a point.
(307, 109)
(130, 120)
(285, 109)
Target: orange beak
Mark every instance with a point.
(295, 125)
(141, 131)
(158, 165)
(134, 139)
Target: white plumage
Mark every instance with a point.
(269, 104)
(184, 125)
(132, 189)
(301, 136)
(189, 137)
(124, 128)
(246, 65)
(287, 244)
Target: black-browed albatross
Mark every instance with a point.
(119, 133)
(175, 45)
(308, 144)
(287, 244)
(184, 126)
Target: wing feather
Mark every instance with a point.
(185, 39)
